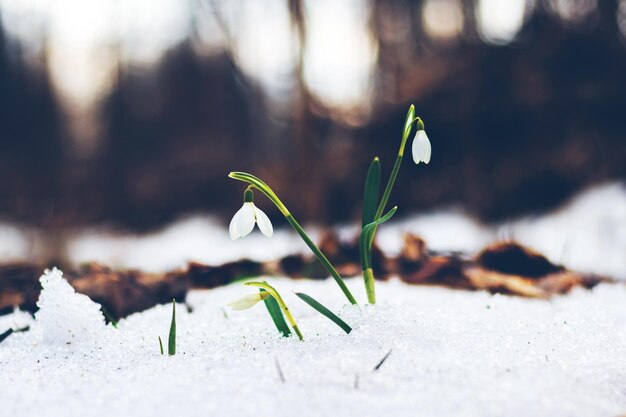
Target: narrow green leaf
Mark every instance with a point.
(366, 235)
(171, 343)
(161, 345)
(370, 195)
(324, 311)
(277, 315)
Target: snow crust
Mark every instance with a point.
(453, 353)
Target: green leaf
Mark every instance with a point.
(277, 315)
(324, 311)
(370, 195)
(161, 345)
(366, 237)
(171, 343)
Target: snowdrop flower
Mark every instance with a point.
(243, 221)
(421, 147)
(248, 301)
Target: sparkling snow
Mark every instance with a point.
(453, 353)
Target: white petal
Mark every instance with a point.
(416, 157)
(264, 222)
(232, 228)
(245, 220)
(245, 302)
(421, 148)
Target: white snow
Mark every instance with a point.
(199, 238)
(64, 316)
(453, 353)
(587, 234)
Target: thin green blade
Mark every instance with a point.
(277, 315)
(171, 343)
(370, 195)
(324, 311)
(161, 345)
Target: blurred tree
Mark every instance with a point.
(516, 126)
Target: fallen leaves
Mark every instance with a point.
(504, 267)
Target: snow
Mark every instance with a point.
(64, 316)
(198, 238)
(453, 353)
(587, 234)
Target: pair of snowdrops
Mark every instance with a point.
(248, 215)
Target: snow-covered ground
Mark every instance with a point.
(453, 353)
(587, 234)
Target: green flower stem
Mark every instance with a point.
(396, 166)
(368, 277)
(265, 189)
(322, 258)
(262, 187)
(368, 274)
(280, 302)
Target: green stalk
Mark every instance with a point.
(366, 254)
(370, 289)
(322, 258)
(368, 273)
(265, 189)
(408, 124)
(391, 182)
(280, 302)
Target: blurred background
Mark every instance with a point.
(131, 113)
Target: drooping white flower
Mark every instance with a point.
(248, 301)
(421, 147)
(243, 221)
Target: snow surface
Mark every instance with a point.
(453, 353)
(588, 234)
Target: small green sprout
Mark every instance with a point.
(161, 345)
(171, 342)
(324, 311)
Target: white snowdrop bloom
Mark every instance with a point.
(248, 301)
(421, 147)
(243, 221)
